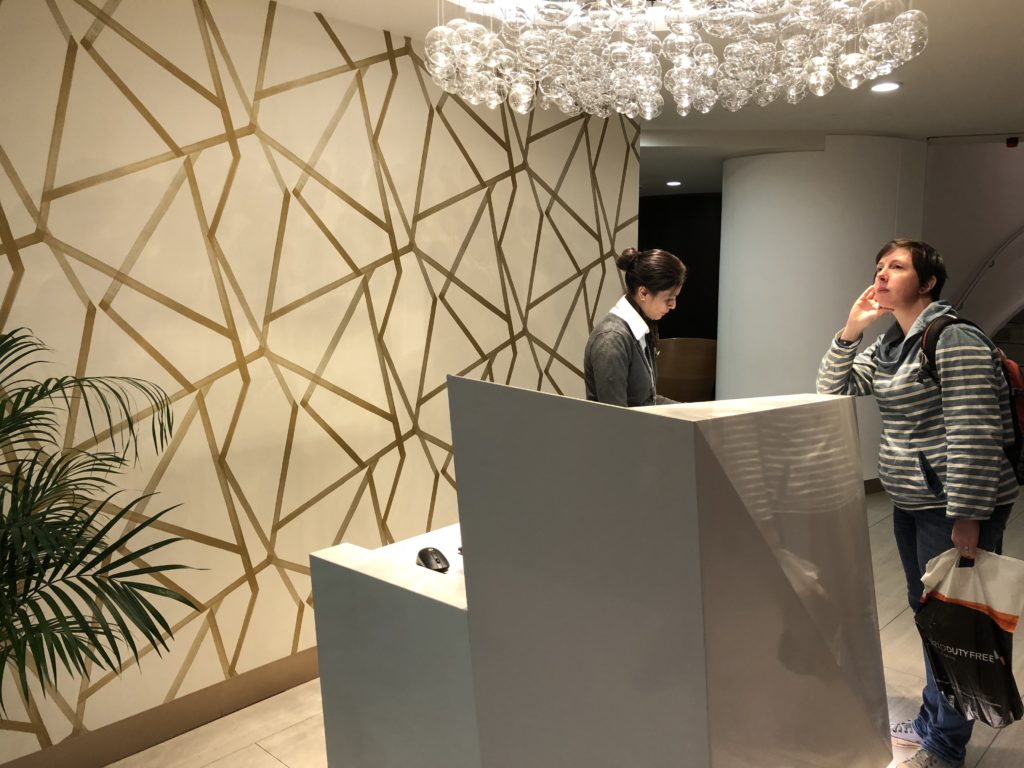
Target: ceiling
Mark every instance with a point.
(969, 82)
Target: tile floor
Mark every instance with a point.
(288, 730)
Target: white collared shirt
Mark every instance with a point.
(633, 319)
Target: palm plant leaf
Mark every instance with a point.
(73, 592)
(88, 604)
(27, 414)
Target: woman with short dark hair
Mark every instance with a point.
(941, 457)
(620, 359)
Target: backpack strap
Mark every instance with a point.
(930, 342)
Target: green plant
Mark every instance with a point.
(70, 588)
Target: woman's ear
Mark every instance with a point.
(927, 287)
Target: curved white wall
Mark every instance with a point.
(799, 234)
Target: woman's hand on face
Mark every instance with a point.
(864, 312)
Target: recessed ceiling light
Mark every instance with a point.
(673, 183)
(885, 87)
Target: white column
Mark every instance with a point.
(799, 235)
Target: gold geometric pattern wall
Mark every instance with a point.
(279, 218)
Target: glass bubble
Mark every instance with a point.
(766, 7)
(567, 105)
(850, 71)
(704, 100)
(795, 36)
(447, 78)
(764, 32)
(740, 50)
(647, 87)
(474, 87)
(644, 63)
(830, 40)
(724, 20)
(794, 92)
(911, 31)
(676, 45)
(703, 49)
(911, 23)
(500, 59)
(584, 64)
(533, 48)
(555, 14)
(562, 47)
(600, 16)
(552, 83)
(908, 50)
(439, 44)
(680, 18)
(650, 43)
(617, 54)
(768, 91)
(707, 64)
(848, 17)
(875, 11)
(520, 101)
(680, 76)
(876, 36)
(496, 93)
(652, 107)
(820, 81)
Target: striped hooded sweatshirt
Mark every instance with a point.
(942, 447)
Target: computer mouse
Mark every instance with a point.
(432, 558)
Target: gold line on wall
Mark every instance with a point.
(132, 99)
(58, 132)
(99, 24)
(463, 286)
(142, 165)
(147, 50)
(222, 102)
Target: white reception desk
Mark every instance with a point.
(684, 586)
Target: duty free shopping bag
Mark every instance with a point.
(967, 620)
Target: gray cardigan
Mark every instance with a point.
(615, 368)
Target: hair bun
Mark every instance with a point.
(627, 259)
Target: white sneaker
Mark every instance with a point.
(923, 759)
(904, 735)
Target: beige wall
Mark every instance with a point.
(278, 218)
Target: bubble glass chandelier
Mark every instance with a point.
(620, 56)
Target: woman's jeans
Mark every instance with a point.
(920, 536)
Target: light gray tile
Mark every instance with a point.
(904, 694)
(878, 507)
(890, 583)
(1006, 749)
(901, 646)
(249, 757)
(301, 746)
(979, 745)
(229, 734)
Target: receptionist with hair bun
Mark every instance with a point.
(620, 360)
